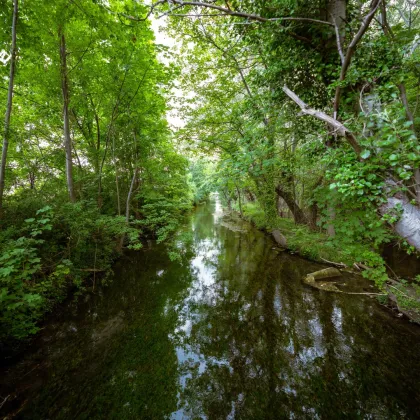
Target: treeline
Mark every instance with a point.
(313, 110)
(88, 161)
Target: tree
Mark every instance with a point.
(6, 134)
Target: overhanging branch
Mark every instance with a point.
(339, 128)
(224, 10)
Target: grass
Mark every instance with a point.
(315, 246)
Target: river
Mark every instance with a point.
(229, 331)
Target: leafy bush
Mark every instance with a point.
(50, 253)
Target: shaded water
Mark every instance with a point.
(229, 332)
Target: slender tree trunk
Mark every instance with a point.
(130, 193)
(239, 201)
(66, 128)
(280, 206)
(9, 103)
(313, 216)
(417, 186)
(116, 177)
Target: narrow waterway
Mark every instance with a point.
(230, 331)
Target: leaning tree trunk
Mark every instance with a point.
(66, 123)
(239, 201)
(130, 193)
(6, 134)
(297, 212)
(408, 225)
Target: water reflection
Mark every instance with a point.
(228, 332)
(262, 345)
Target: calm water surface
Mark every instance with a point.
(228, 332)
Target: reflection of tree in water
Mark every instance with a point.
(133, 372)
(273, 348)
(233, 332)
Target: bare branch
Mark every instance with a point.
(352, 48)
(226, 11)
(339, 128)
(338, 36)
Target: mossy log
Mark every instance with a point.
(326, 273)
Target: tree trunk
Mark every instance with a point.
(330, 226)
(313, 216)
(337, 13)
(417, 186)
(130, 193)
(9, 103)
(239, 201)
(66, 128)
(116, 177)
(297, 212)
(408, 225)
(249, 195)
(280, 206)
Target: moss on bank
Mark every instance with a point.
(315, 246)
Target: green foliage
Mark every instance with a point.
(55, 247)
(202, 178)
(124, 160)
(246, 137)
(20, 297)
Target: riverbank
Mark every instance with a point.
(164, 337)
(49, 254)
(403, 294)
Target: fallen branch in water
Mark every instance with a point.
(335, 264)
(4, 400)
(364, 293)
(399, 291)
(361, 266)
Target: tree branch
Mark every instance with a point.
(352, 48)
(226, 11)
(339, 128)
(338, 36)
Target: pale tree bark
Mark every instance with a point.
(66, 122)
(408, 225)
(116, 177)
(403, 94)
(133, 182)
(130, 193)
(239, 200)
(351, 50)
(8, 114)
(337, 14)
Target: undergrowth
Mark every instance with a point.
(317, 246)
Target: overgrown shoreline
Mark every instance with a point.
(66, 250)
(403, 295)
